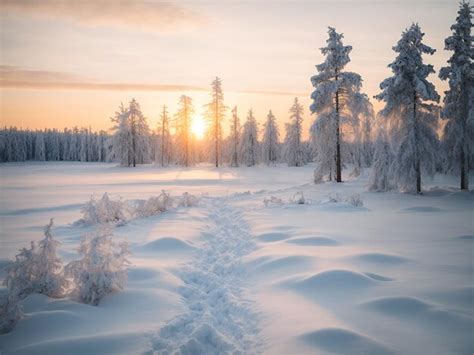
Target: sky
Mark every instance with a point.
(70, 63)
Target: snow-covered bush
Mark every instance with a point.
(37, 269)
(10, 311)
(298, 198)
(102, 269)
(105, 210)
(154, 205)
(272, 201)
(355, 200)
(188, 200)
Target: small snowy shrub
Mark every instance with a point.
(37, 269)
(188, 200)
(102, 269)
(154, 205)
(355, 200)
(334, 197)
(10, 311)
(272, 201)
(105, 210)
(298, 198)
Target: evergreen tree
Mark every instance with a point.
(234, 138)
(270, 140)
(459, 99)
(411, 118)
(215, 112)
(293, 147)
(334, 90)
(249, 141)
(183, 130)
(164, 151)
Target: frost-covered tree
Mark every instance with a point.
(270, 140)
(293, 147)
(367, 144)
(249, 141)
(334, 89)
(102, 268)
(40, 149)
(37, 269)
(131, 136)
(215, 112)
(382, 159)
(459, 99)
(411, 116)
(105, 210)
(183, 130)
(234, 138)
(164, 150)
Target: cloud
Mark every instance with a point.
(19, 78)
(15, 77)
(146, 15)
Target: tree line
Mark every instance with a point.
(403, 142)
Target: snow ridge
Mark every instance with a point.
(218, 319)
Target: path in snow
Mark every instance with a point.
(218, 319)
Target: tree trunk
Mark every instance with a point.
(217, 128)
(417, 156)
(464, 162)
(338, 143)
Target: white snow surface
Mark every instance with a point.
(232, 275)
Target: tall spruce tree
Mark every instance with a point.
(249, 141)
(183, 130)
(408, 97)
(215, 112)
(270, 140)
(334, 90)
(459, 99)
(293, 145)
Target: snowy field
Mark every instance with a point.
(233, 275)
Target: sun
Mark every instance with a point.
(198, 127)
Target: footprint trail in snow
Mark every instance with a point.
(218, 319)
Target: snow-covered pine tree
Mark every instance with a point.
(139, 134)
(249, 141)
(37, 269)
(234, 138)
(411, 117)
(293, 147)
(164, 139)
(121, 138)
(459, 99)
(382, 160)
(333, 91)
(102, 268)
(270, 148)
(183, 130)
(215, 112)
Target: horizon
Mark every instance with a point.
(74, 71)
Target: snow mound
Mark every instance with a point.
(167, 244)
(315, 241)
(272, 237)
(342, 341)
(378, 277)
(331, 282)
(459, 297)
(399, 306)
(381, 258)
(284, 264)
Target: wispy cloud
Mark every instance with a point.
(15, 77)
(147, 15)
(19, 78)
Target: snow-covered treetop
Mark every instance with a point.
(409, 73)
(460, 70)
(331, 78)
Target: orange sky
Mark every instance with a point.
(72, 63)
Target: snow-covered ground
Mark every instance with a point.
(236, 275)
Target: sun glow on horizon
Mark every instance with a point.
(198, 127)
